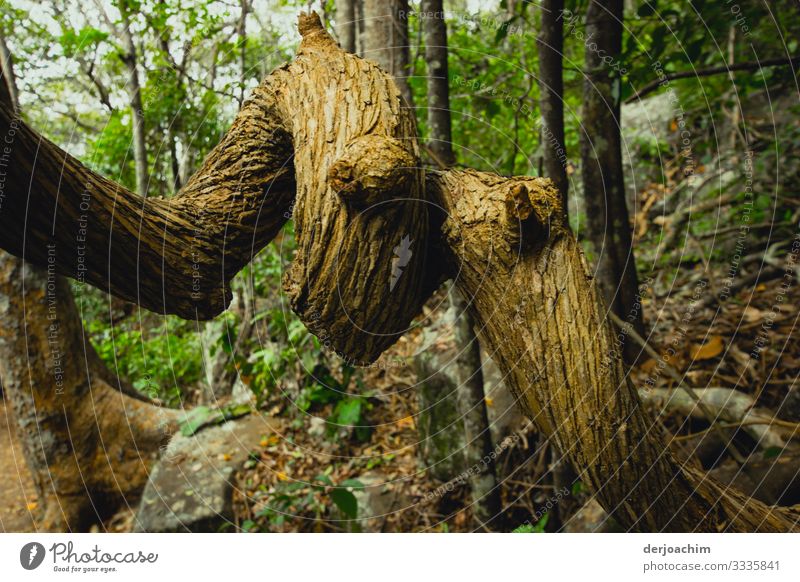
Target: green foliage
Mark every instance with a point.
(315, 498)
(160, 357)
(538, 527)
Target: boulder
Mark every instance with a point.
(191, 487)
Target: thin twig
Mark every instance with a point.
(749, 66)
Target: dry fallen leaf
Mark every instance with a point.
(408, 421)
(711, 349)
(32, 505)
(269, 441)
(648, 366)
(751, 314)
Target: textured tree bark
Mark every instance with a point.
(601, 159)
(361, 222)
(174, 255)
(539, 313)
(531, 296)
(386, 40)
(551, 101)
(551, 105)
(354, 167)
(88, 445)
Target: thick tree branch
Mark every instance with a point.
(168, 255)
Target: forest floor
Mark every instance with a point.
(714, 352)
(17, 492)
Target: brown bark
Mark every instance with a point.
(551, 101)
(360, 221)
(174, 255)
(531, 296)
(608, 223)
(539, 313)
(88, 445)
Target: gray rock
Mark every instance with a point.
(191, 487)
(379, 498)
(505, 414)
(441, 432)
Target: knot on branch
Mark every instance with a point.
(532, 198)
(310, 27)
(373, 169)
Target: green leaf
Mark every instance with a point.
(525, 528)
(346, 502)
(353, 483)
(540, 525)
(324, 479)
(348, 412)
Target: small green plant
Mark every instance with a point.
(298, 498)
(538, 527)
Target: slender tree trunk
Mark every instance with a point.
(386, 40)
(241, 32)
(469, 394)
(7, 67)
(360, 27)
(175, 163)
(551, 90)
(434, 29)
(486, 501)
(346, 24)
(532, 299)
(603, 177)
(134, 89)
(88, 438)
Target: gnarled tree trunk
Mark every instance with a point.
(532, 298)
